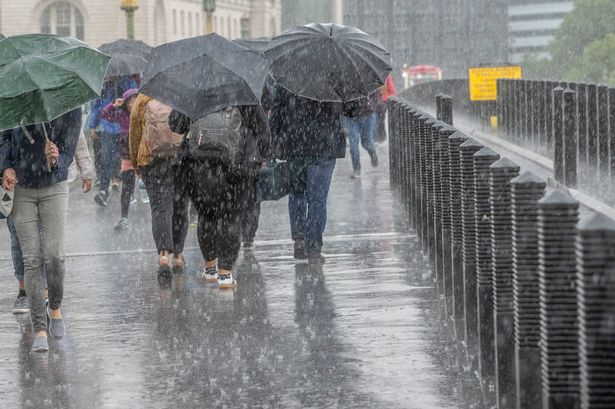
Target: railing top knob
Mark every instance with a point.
(439, 125)
(471, 143)
(449, 130)
(528, 178)
(558, 198)
(458, 135)
(504, 163)
(568, 91)
(597, 222)
(430, 121)
(425, 116)
(487, 152)
(558, 89)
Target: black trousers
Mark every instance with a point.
(128, 187)
(219, 237)
(251, 215)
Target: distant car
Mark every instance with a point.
(418, 74)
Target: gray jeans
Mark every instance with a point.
(40, 216)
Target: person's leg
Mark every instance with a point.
(128, 187)
(297, 205)
(21, 305)
(251, 214)
(353, 129)
(320, 173)
(229, 236)
(25, 215)
(107, 161)
(368, 126)
(181, 217)
(53, 208)
(206, 234)
(116, 160)
(161, 205)
(16, 252)
(96, 145)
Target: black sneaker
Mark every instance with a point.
(374, 157)
(101, 199)
(299, 252)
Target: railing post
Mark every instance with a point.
(529, 134)
(468, 149)
(501, 174)
(549, 116)
(416, 169)
(425, 179)
(439, 107)
(428, 199)
(603, 132)
(435, 209)
(446, 106)
(612, 131)
(456, 229)
(557, 219)
(592, 127)
(595, 285)
(558, 134)
(393, 148)
(570, 138)
(582, 124)
(540, 113)
(484, 272)
(443, 213)
(403, 159)
(526, 190)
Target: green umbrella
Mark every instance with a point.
(44, 76)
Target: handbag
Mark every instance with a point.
(6, 203)
(273, 181)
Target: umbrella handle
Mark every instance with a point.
(46, 142)
(27, 133)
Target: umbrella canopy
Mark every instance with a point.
(258, 44)
(328, 62)
(200, 75)
(126, 64)
(130, 47)
(43, 76)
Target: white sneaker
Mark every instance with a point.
(210, 274)
(226, 281)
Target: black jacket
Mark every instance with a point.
(305, 128)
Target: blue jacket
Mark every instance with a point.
(305, 128)
(29, 160)
(110, 93)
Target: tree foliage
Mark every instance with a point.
(581, 42)
(597, 63)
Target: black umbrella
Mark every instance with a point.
(258, 44)
(200, 75)
(328, 62)
(130, 47)
(126, 64)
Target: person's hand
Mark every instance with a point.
(9, 179)
(52, 153)
(118, 103)
(86, 185)
(93, 134)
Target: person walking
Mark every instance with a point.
(223, 153)
(309, 135)
(38, 172)
(359, 123)
(386, 91)
(119, 111)
(154, 152)
(83, 165)
(109, 135)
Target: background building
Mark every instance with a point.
(299, 12)
(156, 21)
(450, 34)
(533, 24)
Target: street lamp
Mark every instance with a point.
(129, 6)
(209, 6)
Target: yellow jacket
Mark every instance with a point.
(139, 152)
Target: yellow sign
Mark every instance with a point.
(483, 85)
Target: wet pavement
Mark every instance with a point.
(360, 332)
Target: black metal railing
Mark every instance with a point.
(527, 288)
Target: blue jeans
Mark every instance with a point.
(360, 129)
(15, 251)
(310, 179)
(110, 158)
